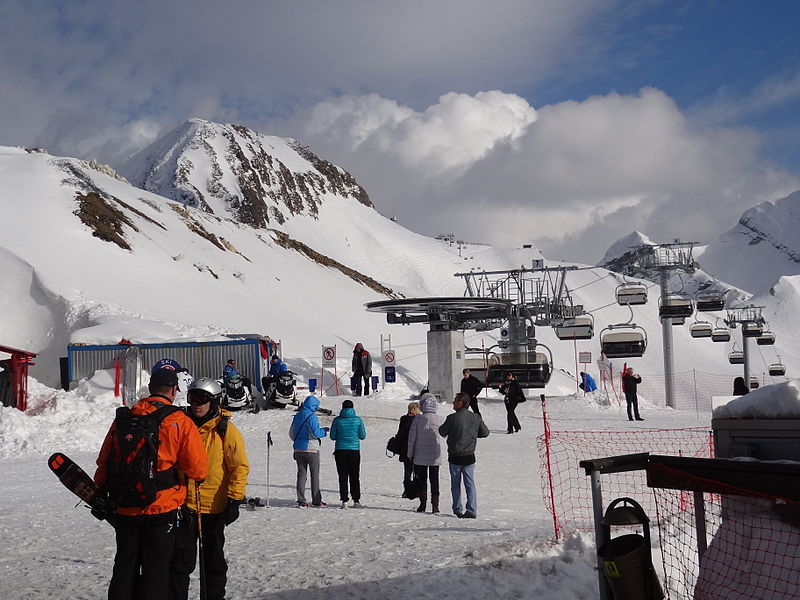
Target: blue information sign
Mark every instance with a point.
(388, 374)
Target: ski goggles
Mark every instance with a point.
(198, 397)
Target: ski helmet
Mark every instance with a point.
(208, 387)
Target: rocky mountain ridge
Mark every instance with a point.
(235, 172)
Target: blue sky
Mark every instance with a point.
(571, 122)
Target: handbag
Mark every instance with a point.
(413, 488)
(393, 446)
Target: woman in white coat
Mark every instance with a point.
(425, 451)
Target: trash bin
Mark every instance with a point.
(374, 380)
(627, 561)
(312, 385)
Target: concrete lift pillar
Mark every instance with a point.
(445, 362)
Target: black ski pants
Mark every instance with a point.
(141, 564)
(511, 416)
(633, 406)
(359, 377)
(473, 404)
(213, 568)
(421, 473)
(348, 466)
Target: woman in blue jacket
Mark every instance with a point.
(347, 430)
(305, 431)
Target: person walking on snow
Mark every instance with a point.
(347, 430)
(425, 451)
(145, 535)
(362, 368)
(307, 435)
(513, 395)
(462, 430)
(471, 386)
(629, 383)
(402, 438)
(220, 495)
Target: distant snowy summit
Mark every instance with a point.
(762, 247)
(234, 172)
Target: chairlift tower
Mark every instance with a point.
(539, 292)
(665, 259)
(448, 318)
(538, 296)
(752, 323)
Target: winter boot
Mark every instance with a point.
(423, 502)
(434, 503)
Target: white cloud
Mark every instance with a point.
(572, 177)
(456, 132)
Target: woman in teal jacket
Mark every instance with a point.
(347, 430)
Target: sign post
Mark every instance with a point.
(584, 358)
(328, 361)
(389, 375)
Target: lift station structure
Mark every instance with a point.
(448, 318)
(515, 300)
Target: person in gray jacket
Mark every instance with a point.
(425, 451)
(462, 430)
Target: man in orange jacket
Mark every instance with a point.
(145, 535)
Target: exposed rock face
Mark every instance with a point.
(233, 171)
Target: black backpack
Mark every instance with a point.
(133, 475)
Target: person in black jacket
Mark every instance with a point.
(512, 391)
(739, 388)
(471, 386)
(629, 383)
(402, 438)
(362, 368)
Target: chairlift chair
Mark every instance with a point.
(700, 329)
(766, 339)
(675, 306)
(678, 321)
(736, 357)
(631, 294)
(623, 341)
(720, 334)
(710, 301)
(578, 328)
(776, 369)
(531, 369)
(752, 329)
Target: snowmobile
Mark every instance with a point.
(281, 389)
(235, 394)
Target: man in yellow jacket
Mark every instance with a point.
(219, 495)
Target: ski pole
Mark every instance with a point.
(200, 538)
(269, 443)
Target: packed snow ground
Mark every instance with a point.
(56, 550)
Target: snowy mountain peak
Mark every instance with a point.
(232, 171)
(763, 246)
(623, 246)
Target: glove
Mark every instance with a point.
(231, 512)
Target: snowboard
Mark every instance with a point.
(131, 375)
(79, 483)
